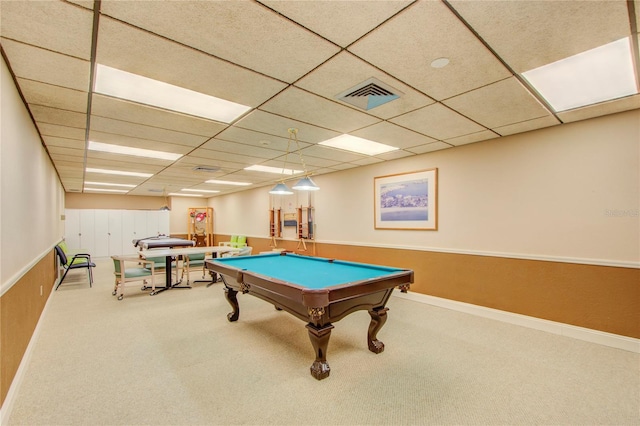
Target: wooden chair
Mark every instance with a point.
(143, 269)
(79, 261)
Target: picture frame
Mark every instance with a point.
(406, 201)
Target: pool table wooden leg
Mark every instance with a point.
(232, 298)
(378, 318)
(320, 341)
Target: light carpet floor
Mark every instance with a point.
(174, 359)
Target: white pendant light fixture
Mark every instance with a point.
(281, 189)
(304, 184)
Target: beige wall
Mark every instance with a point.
(31, 196)
(568, 193)
(74, 200)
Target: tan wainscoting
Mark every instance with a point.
(20, 310)
(603, 298)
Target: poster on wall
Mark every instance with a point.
(406, 200)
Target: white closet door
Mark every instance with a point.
(153, 221)
(164, 223)
(128, 232)
(115, 232)
(72, 228)
(87, 224)
(140, 224)
(100, 234)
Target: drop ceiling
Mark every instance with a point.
(289, 61)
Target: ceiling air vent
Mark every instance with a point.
(369, 94)
(206, 169)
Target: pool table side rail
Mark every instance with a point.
(313, 297)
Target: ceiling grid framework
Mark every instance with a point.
(288, 61)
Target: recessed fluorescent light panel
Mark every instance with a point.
(136, 88)
(597, 75)
(117, 172)
(179, 194)
(208, 191)
(269, 169)
(119, 191)
(127, 150)
(122, 185)
(227, 182)
(359, 145)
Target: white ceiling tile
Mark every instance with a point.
(530, 34)
(47, 24)
(332, 153)
(130, 49)
(196, 159)
(393, 135)
(335, 20)
(61, 131)
(241, 159)
(62, 142)
(42, 65)
(367, 161)
(88, 4)
(111, 164)
(525, 126)
(345, 71)
(472, 138)
(310, 108)
(251, 137)
(430, 147)
(264, 122)
(104, 106)
(37, 93)
(498, 104)
(394, 155)
(43, 114)
(240, 148)
(134, 130)
(310, 161)
(406, 45)
(240, 32)
(68, 153)
(438, 122)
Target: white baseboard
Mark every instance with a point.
(7, 405)
(581, 333)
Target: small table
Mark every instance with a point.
(316, 290)
(169, 253)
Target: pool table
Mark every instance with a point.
(317, 290)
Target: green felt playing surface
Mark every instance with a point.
(309, 272)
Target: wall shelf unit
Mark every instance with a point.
(200, 225)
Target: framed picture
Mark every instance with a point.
(406, 200)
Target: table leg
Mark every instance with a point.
(167, 278)
(232, 298)
(378, 318)
(320, 341)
